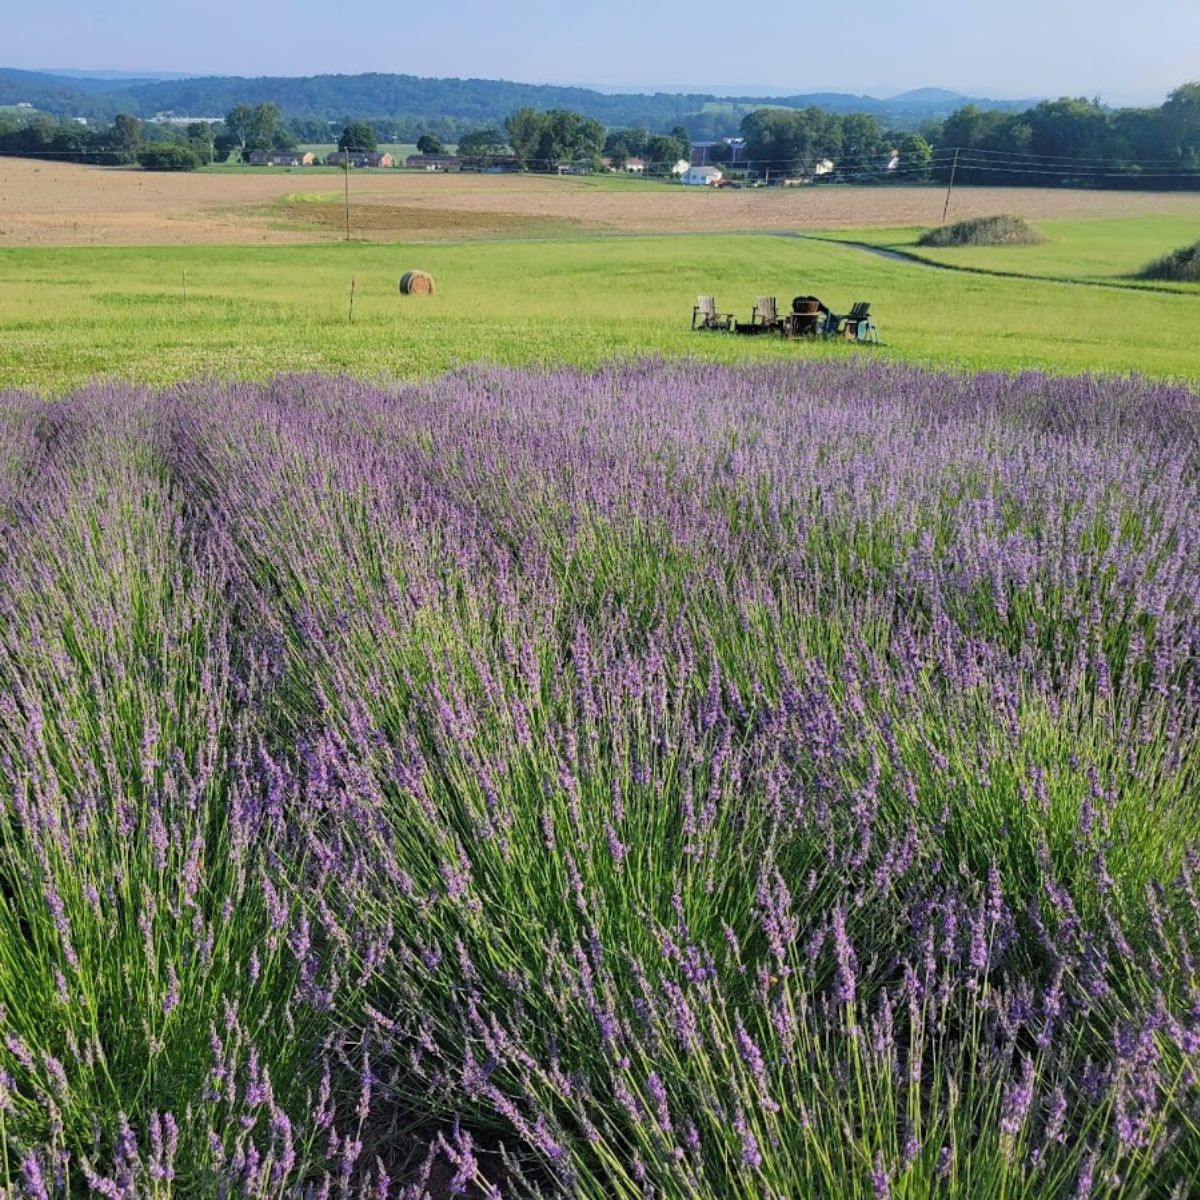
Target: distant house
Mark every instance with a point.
(701, 176)
(635, 166)
(360, 158)
(574, 169)
(433, 162)
(281, 158)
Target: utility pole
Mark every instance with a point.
(953, 169)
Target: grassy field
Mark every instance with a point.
(1103, 250)
(68, 314)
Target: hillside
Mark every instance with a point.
(473, 101)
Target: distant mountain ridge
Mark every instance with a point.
(115, 77)
(480, 101)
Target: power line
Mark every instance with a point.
(1113, 161)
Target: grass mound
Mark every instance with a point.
(1180, 266)
(1004, 230)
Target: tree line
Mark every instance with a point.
(1067, 142)
(1076, 142)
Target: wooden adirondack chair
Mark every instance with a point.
(857, 325)
(766, 311)
(705, 315)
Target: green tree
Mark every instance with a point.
(127, 136)
(663, 152)
(357, 138)
(225, 143)
(239, 125)
(428, 144)
(785, 141)
(634, 141)
(617, 152)
(862, 142)
(568, 137)
(200, 140)
(524, 129)
(264, 124)
(482, 145)
(681, 135)
(168, 157)
(916, 154)
(1071, 129)
(573, 138)
(1180, 118)
(283, 139)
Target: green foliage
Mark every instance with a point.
(663, 152)
(630, 142)
(224, 144)
(200, 138)
(253, 128)
(916, 155)
(358, 137)
(1080, 143)
(1180, 266)
(428, 144)
(480, 144)
(168, 157)
(543, 141)
(786, 142)
(524, 130)
(1001, 230)
(681, 135)
(1181, 124)
(126, 137)
(70, 142)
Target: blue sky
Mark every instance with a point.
(1122, 51)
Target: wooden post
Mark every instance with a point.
(353, 283)
(953, 170)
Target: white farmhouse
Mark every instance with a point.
(701, 176)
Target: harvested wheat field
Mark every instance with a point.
(66, 204)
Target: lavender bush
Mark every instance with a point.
(663, 782)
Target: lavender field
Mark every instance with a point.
(665, 782)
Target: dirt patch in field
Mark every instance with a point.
(64, 204)
(407, 222)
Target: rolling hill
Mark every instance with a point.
(477, 101)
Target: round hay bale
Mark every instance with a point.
(416, 283)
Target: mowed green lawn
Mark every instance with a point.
(67, 315)
(1104, 250)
